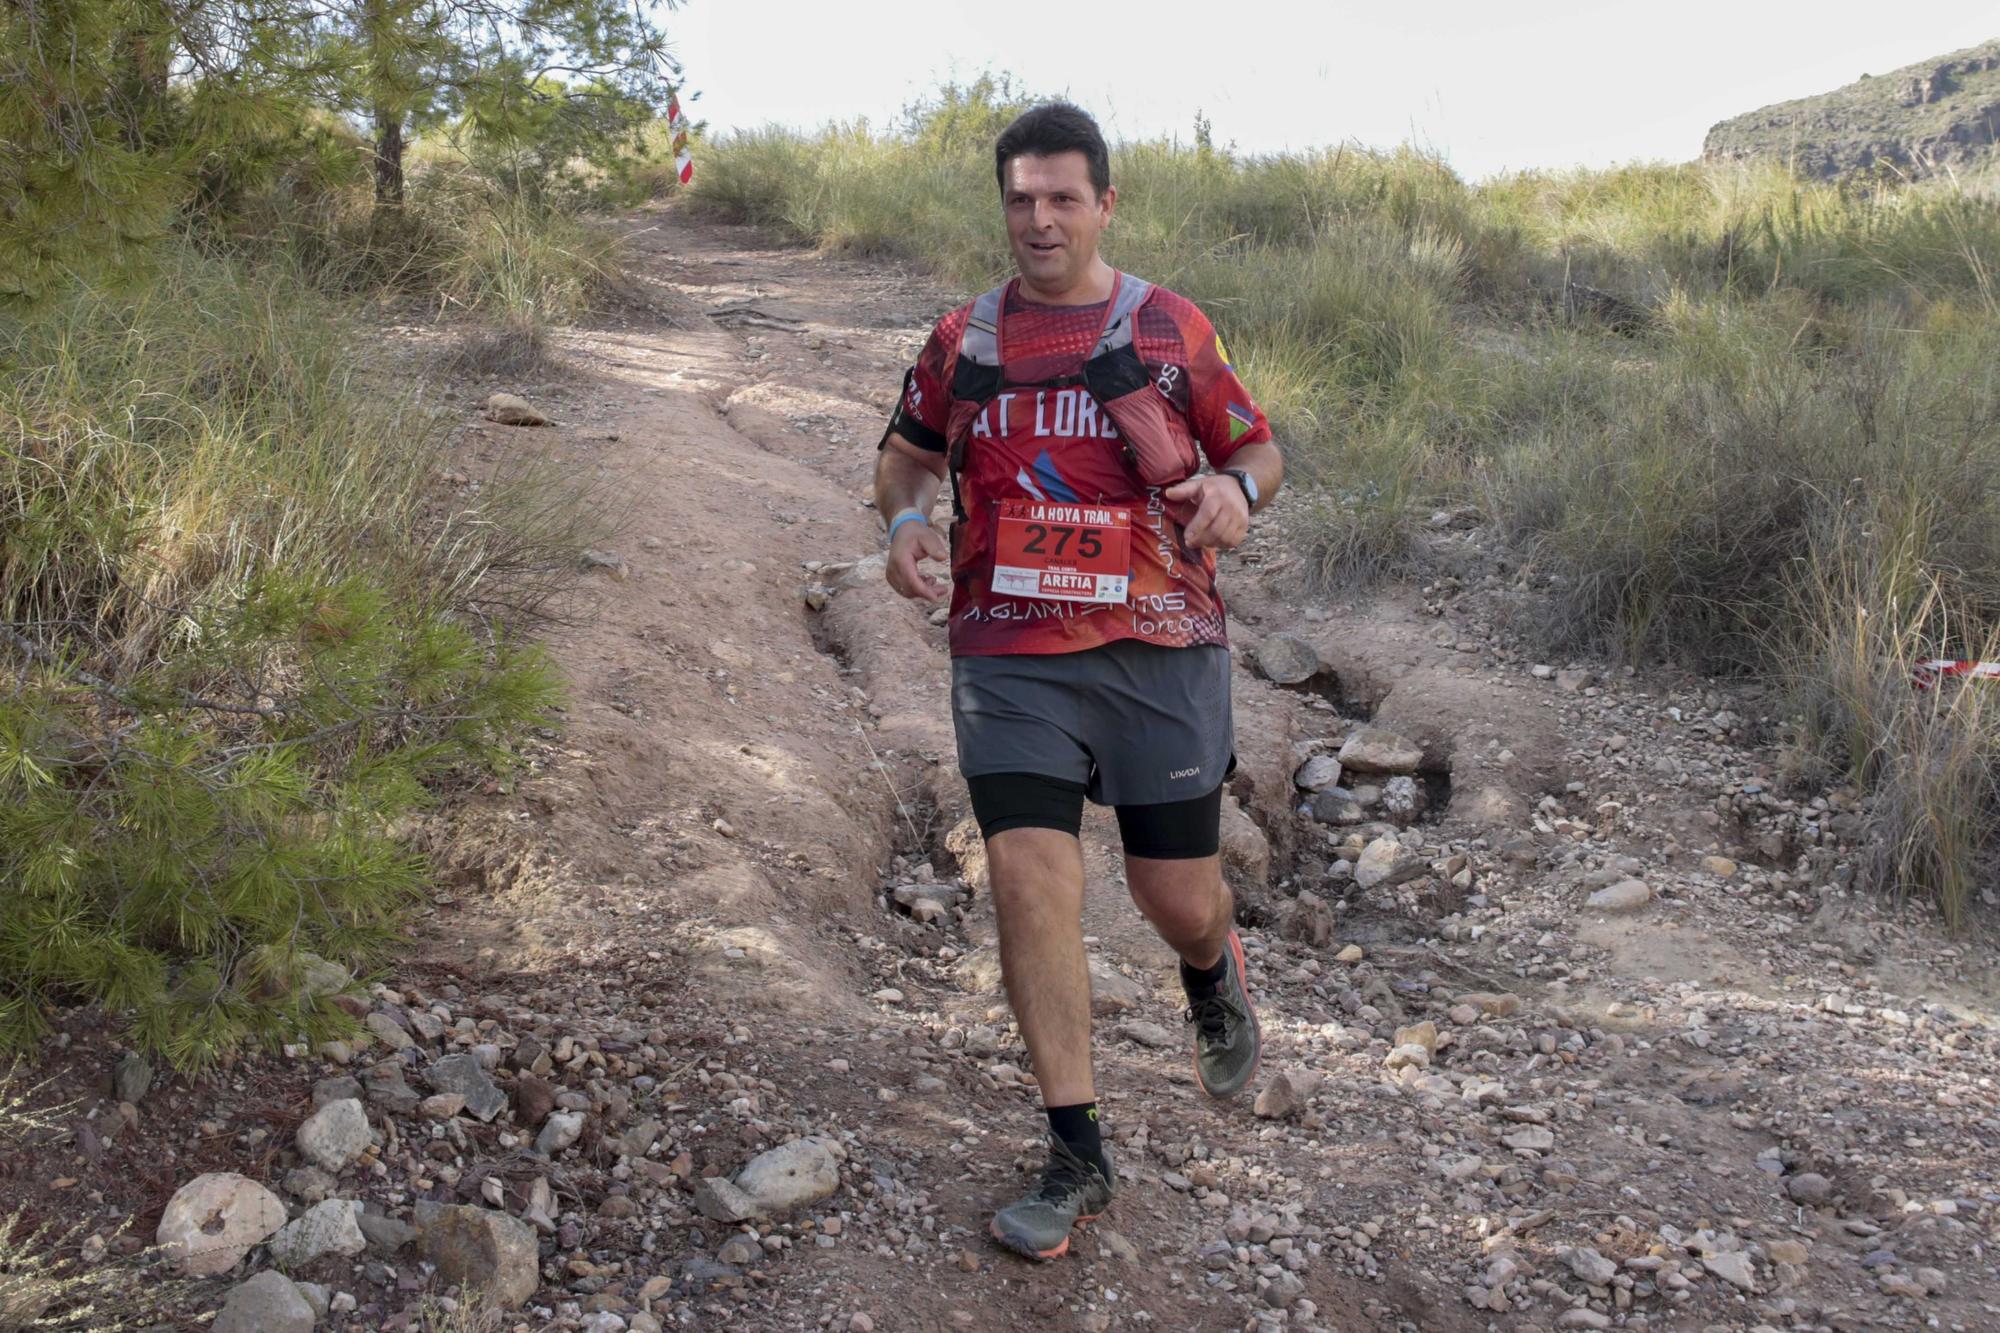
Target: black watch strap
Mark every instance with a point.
(1246, 481)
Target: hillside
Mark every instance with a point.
(1936, 115)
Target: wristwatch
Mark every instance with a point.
(1246, 481)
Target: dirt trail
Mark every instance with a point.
(759, 748)
(1751, 1100)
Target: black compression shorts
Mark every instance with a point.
(1168, 831)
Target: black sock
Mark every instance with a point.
(1076, 1126)
(1199, 985)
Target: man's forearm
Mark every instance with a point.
(1266, 467)
(903, 482)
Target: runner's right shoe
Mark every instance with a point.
(1227, 1044)
(1072, 1192)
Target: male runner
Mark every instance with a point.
(1089, 657)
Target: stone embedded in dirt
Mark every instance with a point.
(1498, 1004)
(336, 1088)
(1575, 679)
(1116, 1245)
(1386, 863)
(461, 1073)
(1379, 750)
(1424, 1034)
(308, 1184)
(1719, 866)
(909, 895)
(386, 1088)
(1148, 1034)
(887, 995)
(1281, 1098)
(332, 1227)
(1111, 991)
(720, 1201)
(1351, 954)
(388, 1031)
(335, 1135)
(740, 1250)
(1336, 806)
(1529, 1138)
(1627, 895)
(131, 1077)
(559, 1131)
(385, 1235)
(1809, 1187)
(1308, 920)
(441, 1105)
(485, 1251)
(513, 410)
(267, 1303)
(1317, 773)
(610, 562)
(1733, 1267)
(534, 1098)
(1591, 1266)
(982, 1042)
(1287, 659)
(1408, 1055)
(1794, 1252)
(1404, 800)
(214, 1219)
(1582, 1316)
(790, 1176)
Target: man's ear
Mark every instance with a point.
(1108, 201)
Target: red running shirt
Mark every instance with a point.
(1057, 444)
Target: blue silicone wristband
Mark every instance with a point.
(907, 516)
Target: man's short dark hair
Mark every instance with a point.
(1051, 128)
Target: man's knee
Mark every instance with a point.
(1029, 867)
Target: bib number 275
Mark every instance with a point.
(1063, 552)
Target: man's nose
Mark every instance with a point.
(1044, 214)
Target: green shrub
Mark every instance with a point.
(240, 643)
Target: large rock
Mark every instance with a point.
(1287, 659)
(1386, 862)
(461, 1073)
(1379, 750)
(267, 1303)
(790, 1176)
(335, 1135)
(333, 1227)
(560, 1131)
(213, 1220)
(484, 1251)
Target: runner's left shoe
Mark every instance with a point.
(1072, 1192)
(1227, 1044)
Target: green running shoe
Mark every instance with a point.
(1227, 1045)
(1072, 1192)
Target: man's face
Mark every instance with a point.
(1053, 218)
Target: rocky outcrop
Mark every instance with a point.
(1936, 116)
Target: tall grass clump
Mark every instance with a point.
(1672, 389)
(241, 638)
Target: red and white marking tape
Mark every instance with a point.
(1931, 672)
(683, 159)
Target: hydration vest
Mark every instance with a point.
(1158, 443)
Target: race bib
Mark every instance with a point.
(1063, 552)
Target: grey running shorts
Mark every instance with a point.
(1134, 722)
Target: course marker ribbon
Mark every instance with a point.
(683, 159)
(1931, 672)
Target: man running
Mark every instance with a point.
(1069, 411)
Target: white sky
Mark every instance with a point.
(1493, 84)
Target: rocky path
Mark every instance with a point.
(1571, 1020)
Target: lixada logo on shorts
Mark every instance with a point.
(1180, 773)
